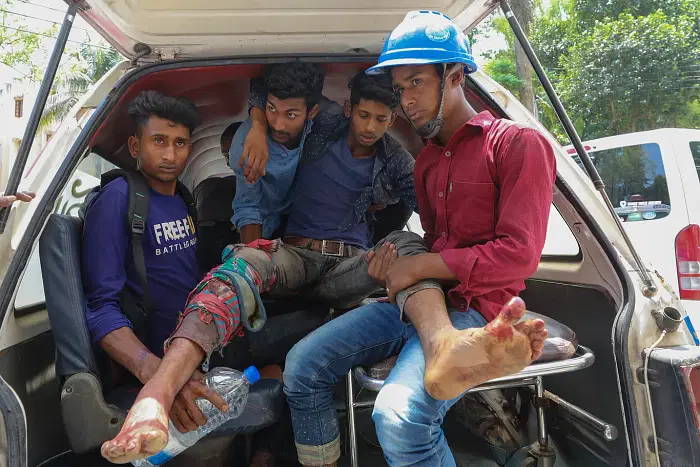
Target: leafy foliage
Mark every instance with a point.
(631, 74)
(78, 73)
(17, 44)
(501, 68)
(620, 66)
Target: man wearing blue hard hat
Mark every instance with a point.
(484, 191)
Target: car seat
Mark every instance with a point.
(93, 407)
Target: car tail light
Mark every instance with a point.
(688, 262)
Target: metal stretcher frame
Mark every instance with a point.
(582, 358)
(530, 376)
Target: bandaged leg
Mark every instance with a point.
(216, 311)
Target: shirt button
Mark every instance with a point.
(448, 154)
(440, 194)
(443, 234)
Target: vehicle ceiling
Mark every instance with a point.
(220, 93)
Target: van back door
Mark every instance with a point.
(166, 29)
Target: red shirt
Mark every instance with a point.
(484, 202)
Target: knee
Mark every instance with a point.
(407, 243)
(257, 259)
(399, 424)
(295, 365)
(302, 368)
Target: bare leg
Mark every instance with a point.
(459, 360)
(145, 431)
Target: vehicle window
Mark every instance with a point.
(30, 295)
(560, 240)
(84, 179)
(695, 151)
(635, 181)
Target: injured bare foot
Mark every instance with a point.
(145, 432)
(460, 360)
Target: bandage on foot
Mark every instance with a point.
(145, 432)
(460, 360)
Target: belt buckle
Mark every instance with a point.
(341, 248)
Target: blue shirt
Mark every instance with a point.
(169, 245)
(393, 164)
(262, 202)
(326, 192)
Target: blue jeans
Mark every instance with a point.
(406, 418)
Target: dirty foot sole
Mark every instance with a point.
(464, 359)
(145, 432)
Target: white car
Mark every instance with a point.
(653, 180)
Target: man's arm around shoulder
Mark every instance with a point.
(247, 215)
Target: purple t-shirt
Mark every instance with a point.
(169, 245)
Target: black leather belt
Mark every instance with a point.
(325, 247)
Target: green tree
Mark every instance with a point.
(17, 44)
(631, 73)
(80, 71)
(501, 67)
(524, 11)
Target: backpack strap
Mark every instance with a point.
(136, 217)
(189, 201)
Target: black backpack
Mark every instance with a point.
(136, 218)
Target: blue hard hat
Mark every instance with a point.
(425, 37)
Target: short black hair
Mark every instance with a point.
(296, 80)
(176, 109)
(373, 88)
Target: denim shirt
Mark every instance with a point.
(262, 202)
(392, 178)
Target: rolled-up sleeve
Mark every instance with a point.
(104, 250)
(527, 170)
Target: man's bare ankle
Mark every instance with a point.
(438, 340)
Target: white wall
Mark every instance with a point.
(11, 128)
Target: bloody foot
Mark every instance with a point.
(145, 432)
(459, 360)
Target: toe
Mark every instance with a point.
(537, 346)
(513, 311)
(530, 327)
(154, 442)
(510, 314)
(539, 335)
(115, 449)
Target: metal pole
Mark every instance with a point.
(44, 90)
(608, 431)
(352, 434)
(541, 422)
(649, 289)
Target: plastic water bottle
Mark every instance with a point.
(230, 384)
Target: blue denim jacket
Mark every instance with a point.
(393, 166)
(262, 202)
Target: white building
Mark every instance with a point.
(17, 97)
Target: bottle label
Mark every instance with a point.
(159, 459)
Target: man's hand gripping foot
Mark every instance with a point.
(459, 360)
(145, 432)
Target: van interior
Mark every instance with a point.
(580, 289)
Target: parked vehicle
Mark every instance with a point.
(653, 180)
(590, 278)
